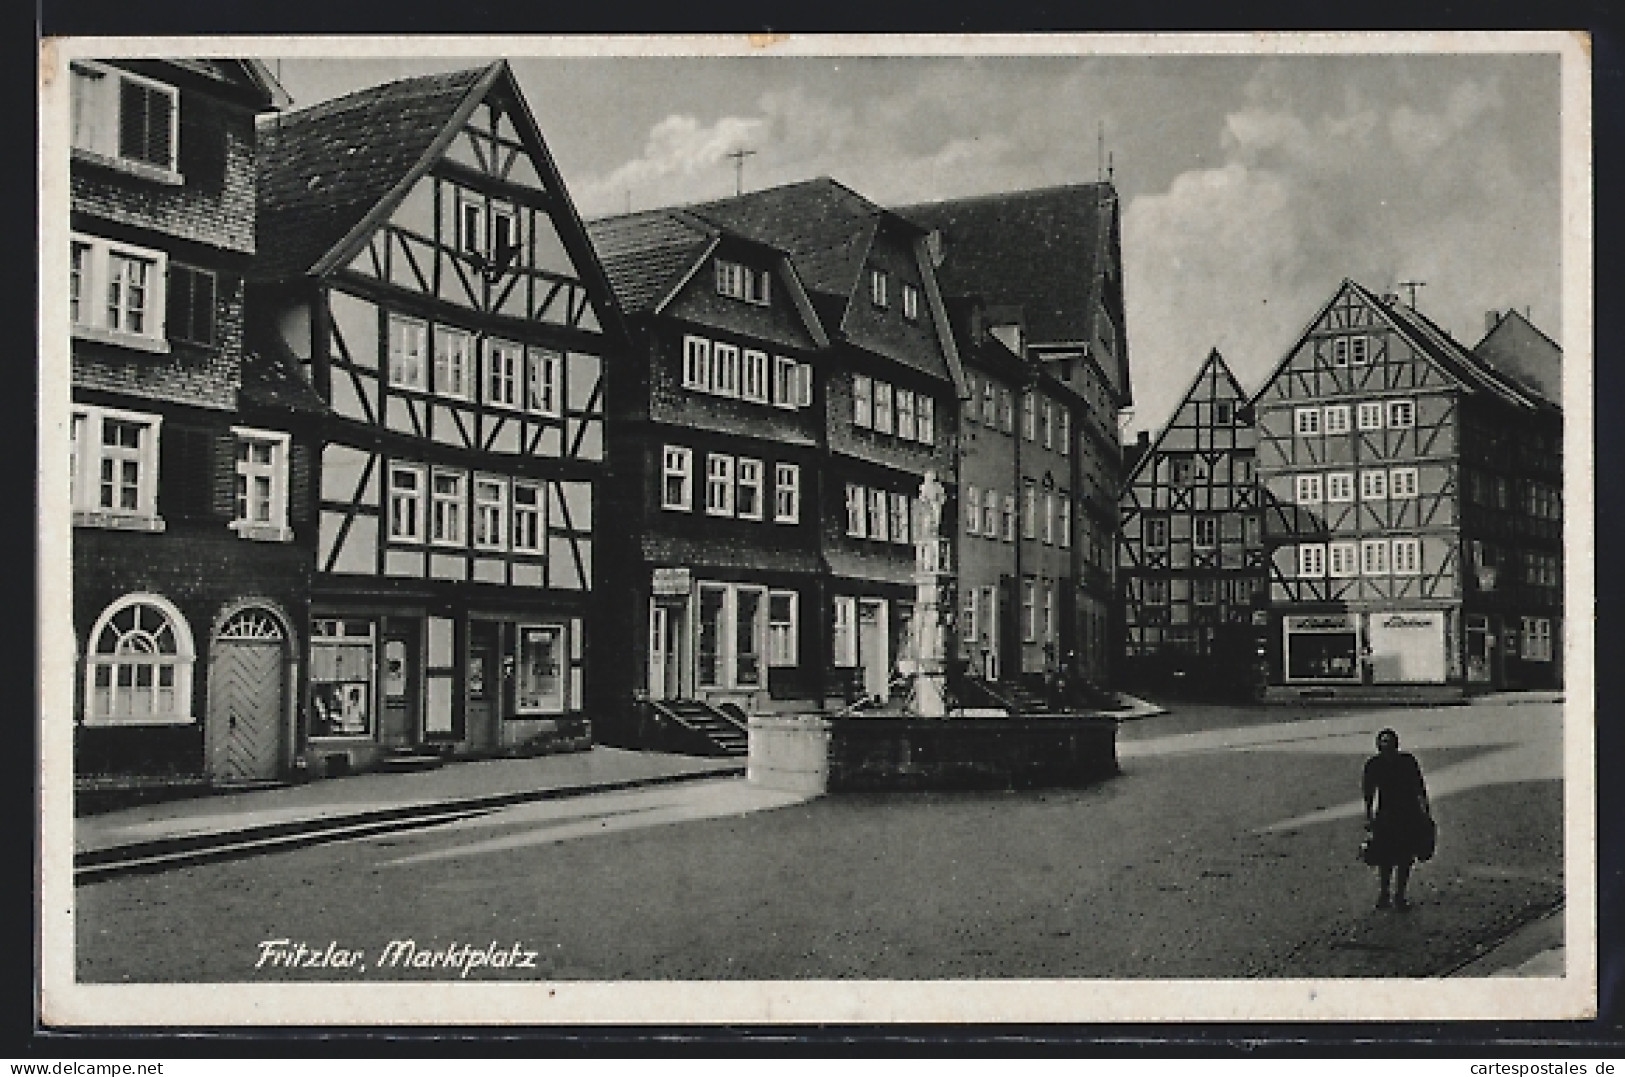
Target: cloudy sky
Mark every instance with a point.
(1251, 185)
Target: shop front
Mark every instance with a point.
(475, 683)
(1321, 647)
(724, 641)
(1408, 646)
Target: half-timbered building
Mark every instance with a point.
(887, 389)
(191, 543)
(1047, 264)
(1412, 517)
(1191, 554)
(712, 524)
(425, 269)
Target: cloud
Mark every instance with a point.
(1366, 184)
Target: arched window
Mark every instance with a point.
(139, 667)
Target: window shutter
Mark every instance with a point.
(203, 145)
(220, 458)
(144, 124)
(184, 472)
(299, 479)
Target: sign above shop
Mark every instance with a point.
(1320, 622)
(673, 581)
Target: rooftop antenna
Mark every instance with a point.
(739, 156)
(1411, 286)
(1111, 168)
(1100, 151)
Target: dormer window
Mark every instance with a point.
(738, 281)
(878, 286)
(126, 119)
(911, 302)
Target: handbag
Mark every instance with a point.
(1427, 839)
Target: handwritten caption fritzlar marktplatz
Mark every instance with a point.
(460, 957)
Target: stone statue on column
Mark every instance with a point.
(928, 698)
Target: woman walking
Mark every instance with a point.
(1402, 824)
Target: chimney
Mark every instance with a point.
(936, 247)
(1492, 318)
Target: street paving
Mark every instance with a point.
(1220, 852)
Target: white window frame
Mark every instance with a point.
(1406, 557)
(857, 511)
(878, 287)
(911, 302)
(1337, 419)
(677, 462)
(1311, 560)
(719, 484)
(1308, 490)
(1537, 639)
(804, 385)
(472, 234)
(408, 361)
(1029, 510)
(448, 512)
(990, 404)
(274, 472)
(1402, 483)
(753, 377)
(1374, 485)
(1049, 517)
(784, 382)
(145, 653)
(1401, 414)
(90, 286)
(97, 133)
(1340, 351)
(1063, 431)
(1066, 522)
(544, 381)
(1370, 415)
(1029, 610)
(1374, 557)
(1212, 526)
(1340, 486)
(878, 521)
(489, 511)
(925, 419)
(863, 401)
(418, 496)
(453, 361)
(883, 407)
(1306, 422)
(532, 512)
(990, 514)
(1029, 416)
(1359, 350)
(899, 523)
(904, 404)
(496, 215)
(87, 454)
(504, 359)
(724, 368)
(844, 631)
(973, 509)
(748, 475)
(786, 493)
(783, 635)
(1342, 560)
(697, 363)
(1047, 423)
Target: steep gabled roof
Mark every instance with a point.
(1045, 250)
(648, 255)
(1453, 357)
(1214, 364)
(1518, 350)
(826, 226)
(271, 380)
(251, 76)
(1041, 249)
(324, 169)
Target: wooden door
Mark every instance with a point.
(398, 720)
(484, 683)
(247, 698)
